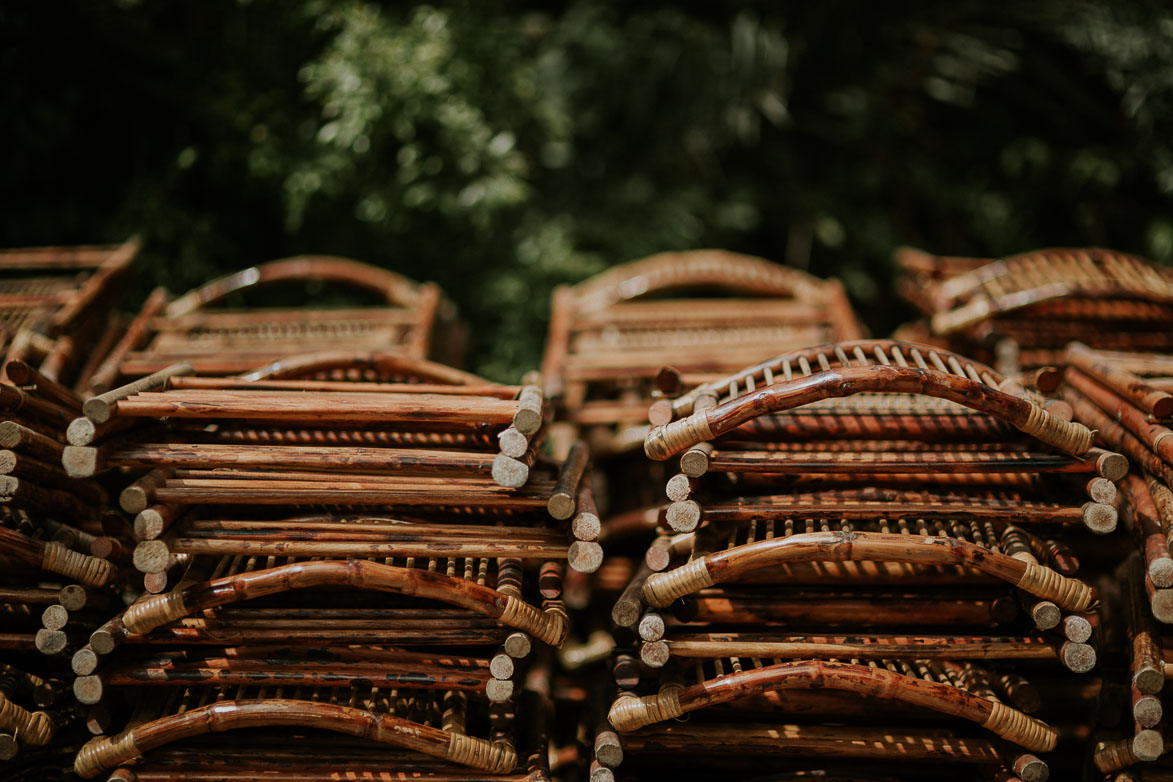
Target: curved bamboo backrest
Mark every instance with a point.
(853, 353)
(953, 384)
(1022, 281)
(102, 754)
(698, 270)
(393, 288)
(632, 713)
(384, 365)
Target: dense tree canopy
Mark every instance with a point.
(502, 148)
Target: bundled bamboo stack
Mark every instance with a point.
(415, 320)
(868, 532)
(1023, 310)
(60, 549)
(270, 509)
(57, 307)
(653, 326)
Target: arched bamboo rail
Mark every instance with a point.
(664, 441)
(698, 269)
(102, 754)
(859, 352)
(632, 713)
(390, 364)
(159, 610)
(661, 589)
(393, 288)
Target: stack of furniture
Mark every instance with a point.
(198, 328)
(865, 561)
(1022, 311)
(625, 337)
(355, 557)
(57, 307)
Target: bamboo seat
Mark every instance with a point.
(611, 335)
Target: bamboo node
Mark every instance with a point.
(479, 753)
(154, 612)
(632, 713)
(100, 754)
(1069, 594)
(547, 626)
(1013, 725)
(35, 728)
(662, 588)
(672, 438)
(87, 570)
(1114, 756)
(1067, 436)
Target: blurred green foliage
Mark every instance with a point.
(502, 148)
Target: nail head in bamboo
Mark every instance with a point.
(1161, 603)
(9, 747)
(661, 412)
(101, 408)
(81, 432)
(1099, 518)
(74, 597)
(585, 556)
(1079, 658)
(80, 461)
(152, 522)
(586, 524)
(684, 516)
(679, 487)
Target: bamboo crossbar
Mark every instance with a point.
(106, 753)
(632, 713)
(159, 610)
(661, 589)
(673, 438)
(717, 645)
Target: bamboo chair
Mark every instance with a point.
(856, 517)
(1030, 306)
(57, 306)
(414, 319)
(611, 335)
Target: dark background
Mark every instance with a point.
(501, 148)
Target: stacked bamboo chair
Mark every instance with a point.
(1128, 399)
(1022, 311)
(57, 306)
(200, 328)
(360, 556)
(624, 337)
(864, 563)
(60, 552)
